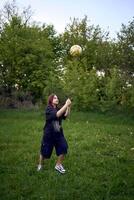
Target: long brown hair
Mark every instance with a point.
(50, 99)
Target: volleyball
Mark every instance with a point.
(75, 50)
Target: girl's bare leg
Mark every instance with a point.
(41, 159)
(60, 159)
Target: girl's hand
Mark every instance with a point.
(68, 102)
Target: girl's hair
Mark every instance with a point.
(50, 99)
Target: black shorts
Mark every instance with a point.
(49, 143)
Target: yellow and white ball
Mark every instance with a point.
(75, 50)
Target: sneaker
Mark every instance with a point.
(60, 168)
(39, 168)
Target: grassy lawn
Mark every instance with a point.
(99, 164)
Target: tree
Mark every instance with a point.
(126, 47)
(79, 73)
(27, 53)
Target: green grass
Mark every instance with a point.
(99, 164)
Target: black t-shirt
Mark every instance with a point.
(52, 119)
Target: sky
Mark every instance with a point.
(108, 14)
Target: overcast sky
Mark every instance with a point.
(109, 14)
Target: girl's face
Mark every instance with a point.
(55, 100)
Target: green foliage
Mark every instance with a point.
(53, 86)
(26, 54)
(36, 59)
(113, 88)
(128, 96)
(100, 56)
(29, 61)
(126, 47)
